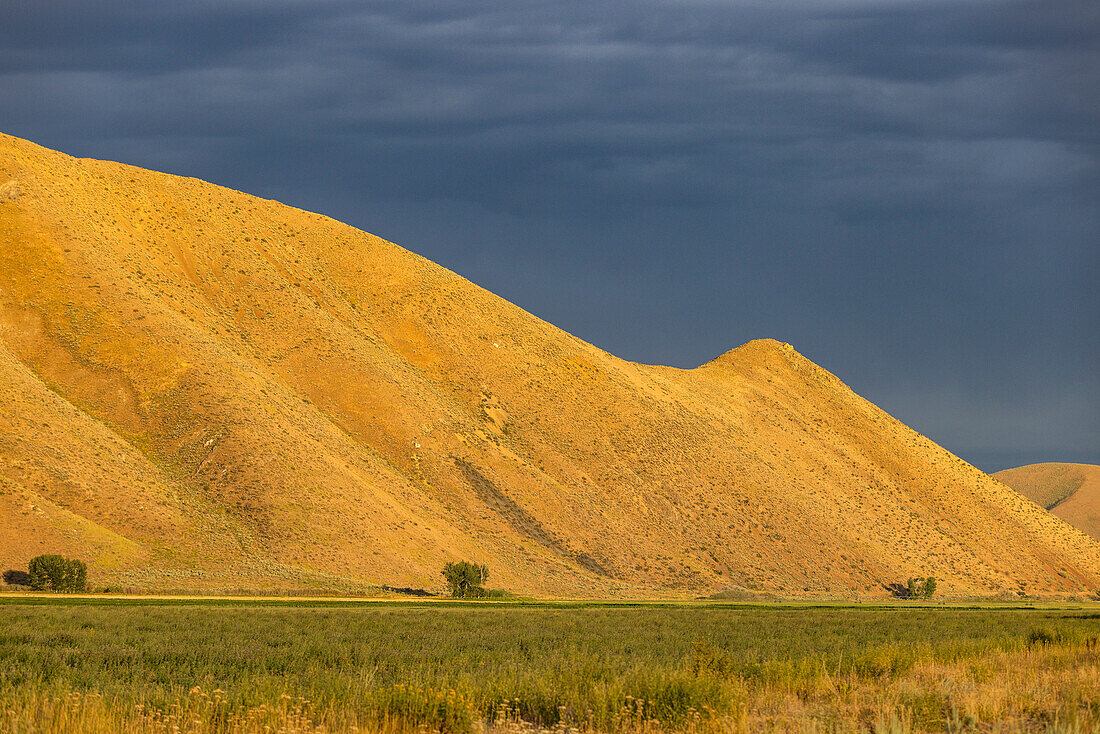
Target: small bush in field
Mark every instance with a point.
(1043, 636)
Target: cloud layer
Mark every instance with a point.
(907, 190)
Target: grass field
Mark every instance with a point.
(214, 665)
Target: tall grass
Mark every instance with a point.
(303, 666)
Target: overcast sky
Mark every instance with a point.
(908, 191)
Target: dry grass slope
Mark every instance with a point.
(203, 389)
(1070, 491)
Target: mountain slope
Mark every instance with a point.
(1070, 491)
(203, 389)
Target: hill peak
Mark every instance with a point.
(773, 357)
(756, 349)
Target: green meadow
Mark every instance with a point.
(273, 665)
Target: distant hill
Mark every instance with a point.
(1070, 491)
(201, 389)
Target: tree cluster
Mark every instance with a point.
(921, 588)
(57, 573)
(465, 579)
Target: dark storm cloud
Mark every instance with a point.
(908, 191)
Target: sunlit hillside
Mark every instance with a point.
(1070, 491)
(202, 389)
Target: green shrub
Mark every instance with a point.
(707, 659)
(1044, 636)
(465, 579)
(921, 588)
(57, 573)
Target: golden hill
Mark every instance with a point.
(201, 389)
(1070, 491)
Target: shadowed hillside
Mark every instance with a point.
(1070, 491)
(203, 389)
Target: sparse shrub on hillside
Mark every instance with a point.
(17, 578)
(466, 580)
(57, 573)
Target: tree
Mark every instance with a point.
(57, 573)
(466, 579)
(921, 588)
(76, 577)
